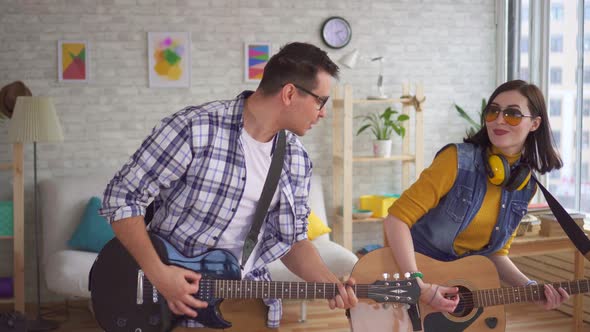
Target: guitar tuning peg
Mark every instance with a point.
(396, 276)
(407, 275)
(385, 276)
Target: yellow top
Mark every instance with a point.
(434, 183)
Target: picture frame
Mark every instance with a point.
(73, 61)
(169, 59)
(256, 56)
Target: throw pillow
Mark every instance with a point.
(315, 226)
(94, 231)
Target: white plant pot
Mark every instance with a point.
(382, 148)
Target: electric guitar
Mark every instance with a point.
(481, 298)
(123, 298)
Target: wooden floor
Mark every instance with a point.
(520, 318)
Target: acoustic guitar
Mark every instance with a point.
(123, 298)
(481, 297)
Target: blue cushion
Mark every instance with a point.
(94, 231)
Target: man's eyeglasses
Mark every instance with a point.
(512, 116)
(322, 100)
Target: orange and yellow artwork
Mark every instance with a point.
(73, 61)
(169, 59)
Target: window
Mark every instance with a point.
(524, 12)
(555, 75)
(557, 44)
(555, 107)
(524, 73)
(562, 69)
(556, 137)
(555, 174)
(524, 44)
(556, 12)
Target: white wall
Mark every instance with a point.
(448, 45)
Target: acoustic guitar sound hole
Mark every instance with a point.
(465, 306)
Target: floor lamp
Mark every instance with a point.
(35, 120)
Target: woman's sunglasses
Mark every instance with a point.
(512, 116)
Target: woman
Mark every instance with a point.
(467, 203)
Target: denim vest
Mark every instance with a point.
(435, 233)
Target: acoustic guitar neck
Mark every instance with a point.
(508, 295)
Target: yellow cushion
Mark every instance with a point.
(315, 226)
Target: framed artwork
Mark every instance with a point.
(73, 59)
(169, 55)
(256, 55)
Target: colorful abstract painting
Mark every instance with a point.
(169, 59)
(73, 60)
(256, 56)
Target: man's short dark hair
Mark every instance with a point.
(297, 63)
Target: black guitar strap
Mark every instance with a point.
(268, 191)
(573, 231)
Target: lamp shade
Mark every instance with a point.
(34, 120)
(349, 60)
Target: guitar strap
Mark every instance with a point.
(414, 314)
(268, 191)
(573, 231)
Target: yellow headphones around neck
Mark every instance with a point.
(501, 174)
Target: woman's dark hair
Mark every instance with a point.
(539, 152)
(297, 63)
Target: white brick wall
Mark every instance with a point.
(447, 45)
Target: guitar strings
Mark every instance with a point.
(243, 288)
(499, 296)
(485, 297)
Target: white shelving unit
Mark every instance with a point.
(18, 239)
(343, 159)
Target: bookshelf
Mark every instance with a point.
(343, 159)
(18, 238)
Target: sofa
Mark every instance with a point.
(62, 203)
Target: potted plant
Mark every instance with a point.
(383, 125)
(475, 126)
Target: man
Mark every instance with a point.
(206, 166)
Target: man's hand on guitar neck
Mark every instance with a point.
(440, 298)
(178, 285)
(304, 260)
(344, 302)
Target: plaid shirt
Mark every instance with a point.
(193, 165)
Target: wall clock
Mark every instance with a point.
(336, 32)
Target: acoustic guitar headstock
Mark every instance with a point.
(395, 291)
